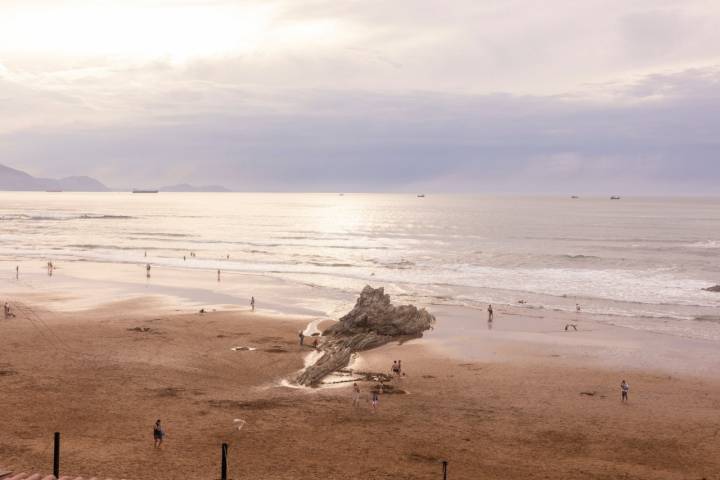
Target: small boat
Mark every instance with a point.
(614, 197)
(421, 195)
(575, 197)
(144, 191)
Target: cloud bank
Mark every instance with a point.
(487, 97)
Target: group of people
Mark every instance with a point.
(374, 396)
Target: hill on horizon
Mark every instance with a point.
(16, 180)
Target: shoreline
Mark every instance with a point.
(518, 331)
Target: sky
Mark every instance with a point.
(513, 96)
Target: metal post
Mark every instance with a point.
(445, 464)
(56, 456)
(223, 465)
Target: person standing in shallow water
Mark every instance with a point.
(147, 270)
(490, 313)
(252, 303)
(158, 434)
(624, 389)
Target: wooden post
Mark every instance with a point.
(56, 456)
(445, 464)
(223, 464)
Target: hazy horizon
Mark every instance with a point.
(597, 98)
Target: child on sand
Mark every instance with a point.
(624, 389)
(158, 434)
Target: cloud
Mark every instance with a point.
(659, 132)
(496, 96)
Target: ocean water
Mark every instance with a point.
(643, 259)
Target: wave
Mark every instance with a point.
(84, 216)
(710, 244)
(162, 234)
(580, 257)
(92, 246)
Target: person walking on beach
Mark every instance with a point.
(356, 395)
(394, 368)
(490, 313)
(158, 434)
(147, 270)
(624, 389)
(218, 274)
(252, 303)
(17, 272)
(301, 336)
(577, 308)
(375, 400)
(400, 368)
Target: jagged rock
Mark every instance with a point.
(716, 288)
(373, 322)
(373, 312)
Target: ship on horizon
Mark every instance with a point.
(136, 190)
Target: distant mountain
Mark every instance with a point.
(17, 180)
(184, 187)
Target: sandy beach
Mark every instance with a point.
(518, 408)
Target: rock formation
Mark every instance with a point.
(716, 288)
(373, 322)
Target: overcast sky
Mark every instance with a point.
(513, 96)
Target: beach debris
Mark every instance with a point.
(372, 322)
(715, 288)
(240, 423)
(141, 329)
(589, 394)
(242, 349)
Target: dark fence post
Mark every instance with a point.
(56, 456)
(445, 464)
(223, 465)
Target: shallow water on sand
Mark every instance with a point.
(644, 261)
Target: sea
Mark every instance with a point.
(642, 262)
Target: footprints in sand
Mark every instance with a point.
(6, 370)
(173, 392)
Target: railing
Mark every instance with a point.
(223, 461)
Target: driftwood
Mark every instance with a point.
(373, 322)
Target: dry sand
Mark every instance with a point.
(102, 383)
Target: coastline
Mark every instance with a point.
(519, 332)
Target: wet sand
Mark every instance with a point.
(518, 408)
